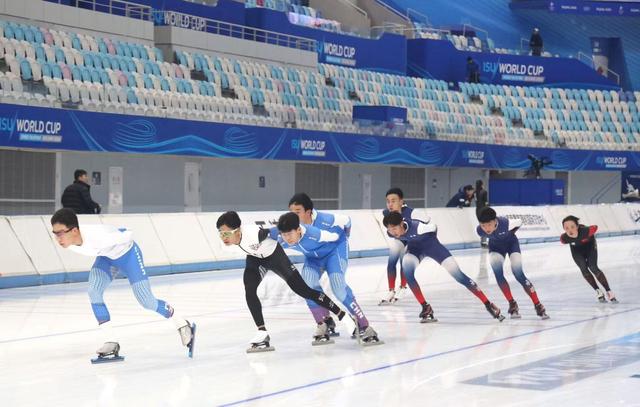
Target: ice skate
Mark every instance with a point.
(426, 316)
(109, 352)
(612, 297)
(321, 336)
(514, 311)
(369, 337)
(389, 299)
(600, 296)
(260, 343)
(401, 293)
(188, 336)
(542, 313)
(331, 327)
(494, 311)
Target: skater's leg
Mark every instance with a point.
(516, 268)
(395, 251)
(581, 262)
(497, 262)
(99, 278)
(132, 265)
(592, 263)
(280, 264)
(409, 265)
(336, 269)
(451, 265)
(311, 276)
(403, 278)
(253, 275)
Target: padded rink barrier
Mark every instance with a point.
(14, 261)
(188, 242)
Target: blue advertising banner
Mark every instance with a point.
(385, 54)
(596, 8)
(59, 129)
(439, 59)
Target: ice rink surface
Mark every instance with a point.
(586, 354)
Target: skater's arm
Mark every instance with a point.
(424, 228)
(327, 237)
(592, 230)
(343, 222)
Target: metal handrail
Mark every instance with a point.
(401, 29)
(210, 26)
(411, 11)
(358, 9)
(130, 10)
(582, 55)
(393, 10)
(464, 30)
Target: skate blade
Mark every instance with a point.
(602, 301)
(260, 350)
(334, 334)
(192, 344)
(614, 301)
(372, 343)
(500, 318)
(385, 303)
(322, 343)
(108, 359)
(428, 320)
(545, 316)
(516, 316)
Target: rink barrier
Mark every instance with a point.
(174, 243)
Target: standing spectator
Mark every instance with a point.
(482, 200)
(535, 42)
(78, 197)
(462, 199)
(473, 71)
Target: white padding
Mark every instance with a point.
(443, 219)
(70, 260)
(182, 238)
(365, 230)
(605, 213)
(13, 259)
(144, 235)
(627, 216)
(537, 222)
(35, 237)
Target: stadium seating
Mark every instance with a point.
(100, 74)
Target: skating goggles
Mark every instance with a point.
(60, 233)
(225, 234)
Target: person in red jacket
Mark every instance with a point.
(584, 250)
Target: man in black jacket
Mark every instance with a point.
(77, 196)
(535, 42)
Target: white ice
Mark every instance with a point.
(48, 334)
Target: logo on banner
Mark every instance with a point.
(163, 17)
(530, 221)
(310, 148)
(612, 161)
(515, 72)
(473, 156)
(337, 54)
(32, 130)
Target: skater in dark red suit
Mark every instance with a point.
(584, 250)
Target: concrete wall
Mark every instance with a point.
(169, 39)
(594, 187)
(344, 11)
